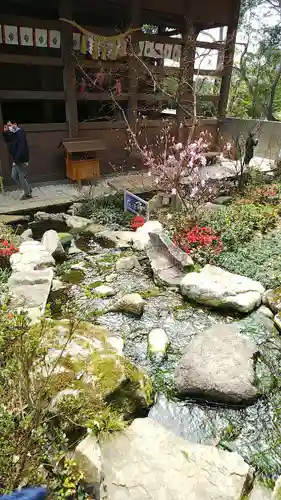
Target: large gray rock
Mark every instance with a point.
(168, 261)
(276, 495)
(218, 288)
(31, 255)
(52, 243)
(148, 462)
(218, 365)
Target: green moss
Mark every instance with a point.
(153, 292)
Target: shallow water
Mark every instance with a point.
(252, 431)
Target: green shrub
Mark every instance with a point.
(237, 223)
(108, 210)
(259, 259)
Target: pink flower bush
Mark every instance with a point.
(177, 169)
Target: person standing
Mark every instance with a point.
(16, 141)
(251, 142)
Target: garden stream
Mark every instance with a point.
(251, 431)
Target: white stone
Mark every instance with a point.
(87, 455)
(218, 365)
(31, 255)
(266, 312)
(52, 243)
(141, 238)
(31, 288)
(26, 235)
(77, 223)
(117, 343)
(276, 495)
(127, 263)
(104, 291)
(149, 462)
(218, 288)
(259, 492)
(131, 303)
(158, 342)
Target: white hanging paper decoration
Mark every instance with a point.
(176, 55)
(41, 38)
(54, 39)
(141, 47)
(149, 50)
(90, 44)
(168, 50)
(159, 50)
(26, 37)
(11, 35)
(76, 41)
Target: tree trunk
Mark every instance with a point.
(270, 115)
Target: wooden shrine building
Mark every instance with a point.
(59, 83)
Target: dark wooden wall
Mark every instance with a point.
(47, 159)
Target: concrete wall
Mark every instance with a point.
(268, 134)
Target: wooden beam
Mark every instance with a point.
(4, 155)
(69, 77)
(228, 60)
(162, 97)
(165, 39)
(101, 96)
(30, 22)
(31, 95)
(30, 60)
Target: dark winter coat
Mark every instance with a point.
(17, 145)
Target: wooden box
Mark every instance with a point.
(81, 161)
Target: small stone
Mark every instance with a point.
(131, 303)
(158, 342)
(79, 266)
(53, 244)
(127, 263)
(57, 285)
(266, 312)
(87, 455)
(141, 237)
(223, 200)
(104, 291)
(272, 299)
(73, 249)
(277, 321)
(111, 277)
(26, 235)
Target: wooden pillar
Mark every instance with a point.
(133, 66)
(69, 78)
(228, 61)
(5, 162)
(186, 105)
